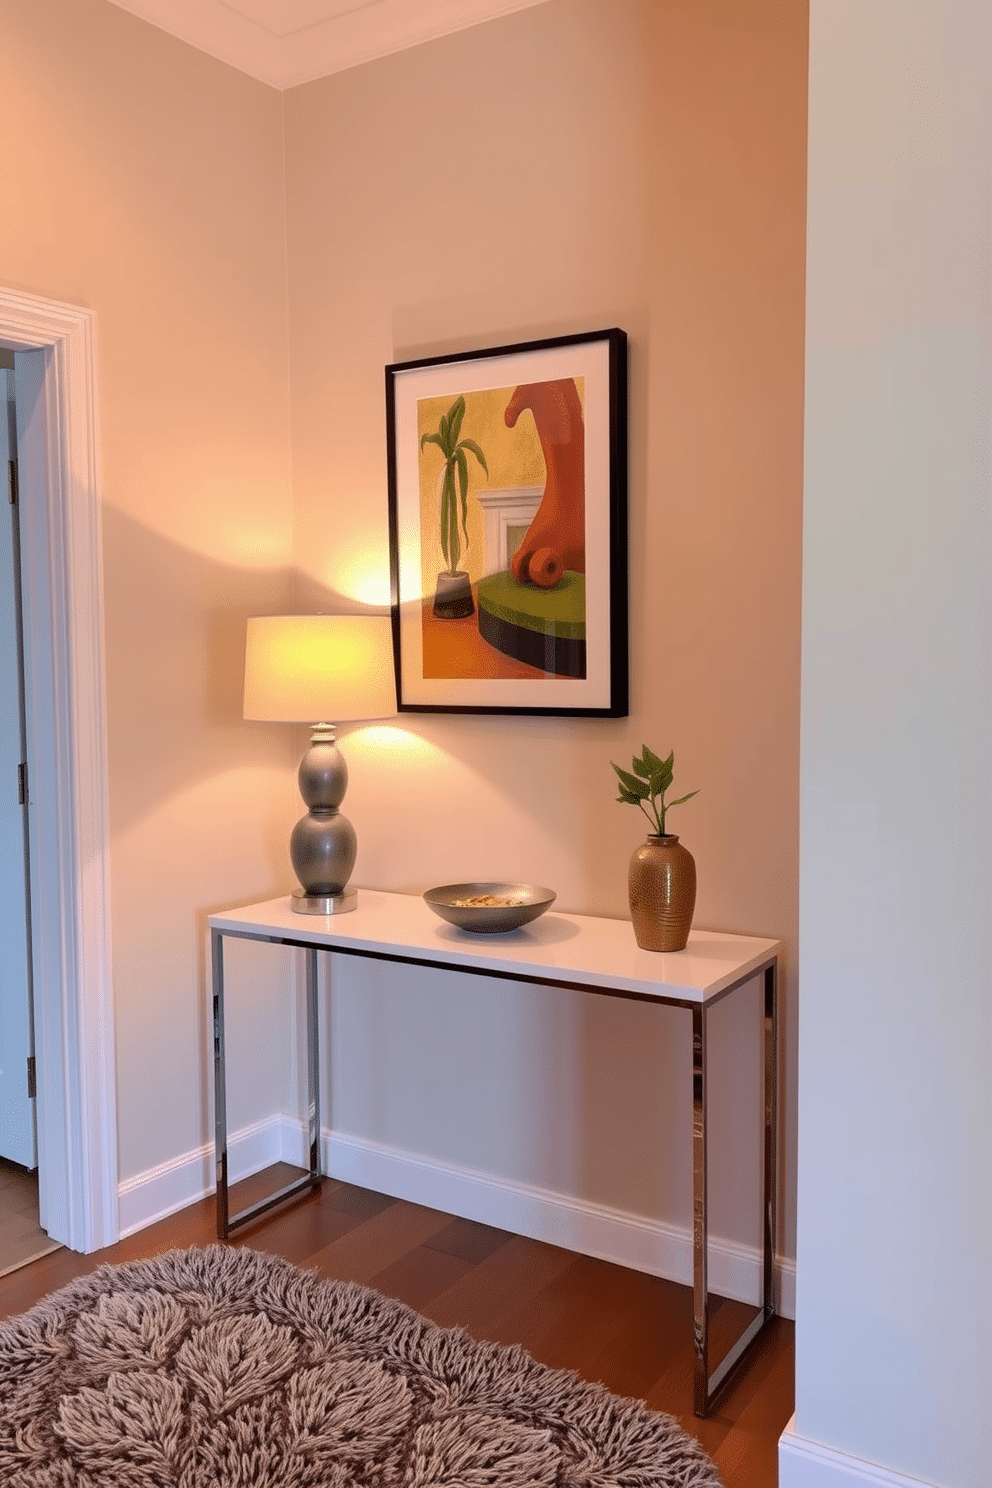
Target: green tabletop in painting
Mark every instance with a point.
(546, 628)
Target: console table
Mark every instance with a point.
(587, 954)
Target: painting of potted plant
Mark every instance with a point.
(453, 599)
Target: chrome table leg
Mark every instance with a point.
(700, 1222)
(771, 1136)
(220, 1089)
(226, 1221)
(313, 1070)
(707, 1384)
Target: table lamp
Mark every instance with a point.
(302, 668)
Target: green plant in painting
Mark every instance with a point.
(646, 782)
(455, 467)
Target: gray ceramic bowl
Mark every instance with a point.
(520, 903)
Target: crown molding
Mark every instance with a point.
(347, 35)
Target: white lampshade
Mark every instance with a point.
(319, 668)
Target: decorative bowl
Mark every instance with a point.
(489, 908)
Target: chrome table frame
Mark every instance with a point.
(320, 935)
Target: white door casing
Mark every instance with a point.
(61, 563)
(17, 1129)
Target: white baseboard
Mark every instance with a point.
(808, 1464)
(164, 1190)
(574, 1224)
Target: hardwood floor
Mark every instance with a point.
(630, 1331)
(21, 1236)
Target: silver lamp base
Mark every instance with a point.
(324, 904)
(323, 845)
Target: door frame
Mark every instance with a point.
(62, 579)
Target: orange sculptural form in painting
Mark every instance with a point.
(556, 538)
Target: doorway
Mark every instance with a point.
(22, 1238)
(67, 775)
(18, 1141)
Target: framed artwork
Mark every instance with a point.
(508, 528)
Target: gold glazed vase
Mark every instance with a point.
(662, 886)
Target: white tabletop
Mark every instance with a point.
(580, 949)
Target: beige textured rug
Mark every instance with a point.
(225, 1367)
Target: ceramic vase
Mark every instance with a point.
(662, 886)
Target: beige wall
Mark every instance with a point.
(618, 162)
(144, 180)
(581, 164)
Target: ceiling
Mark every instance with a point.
(285, 42)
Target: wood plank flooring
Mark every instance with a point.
(21, 1237)
(630, 1331)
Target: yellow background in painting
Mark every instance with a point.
(513, 456)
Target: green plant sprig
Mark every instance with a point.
(648, 783)
(453, 451)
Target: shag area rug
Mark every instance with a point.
(230, 1368)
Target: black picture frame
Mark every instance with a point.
(536, 620)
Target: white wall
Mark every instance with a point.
(895, 1053)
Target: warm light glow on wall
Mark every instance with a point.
(257, 549)
(397, 744)
(357, 575)
(216, 523)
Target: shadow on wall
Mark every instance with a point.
(175, 636)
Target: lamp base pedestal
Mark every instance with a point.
(324, 904)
